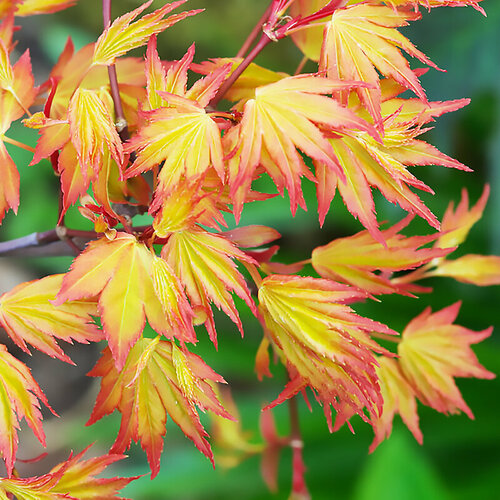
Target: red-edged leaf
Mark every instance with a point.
(434, 351)
(399, 397)
(124, 35)
(92, 127)
(20, 397)
(188, 144)
(72, 479)
(132, 284)
(28, 316)
(362, 37)
(157, 379)
(204, 263)
(457, 223)
(354, 259)
(33, 7)
(366, 162)
(480, 270)
(324, 343)
(285, 116)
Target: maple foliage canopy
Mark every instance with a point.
(128, 136)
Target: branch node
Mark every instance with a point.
(121, 124)
(62, 232)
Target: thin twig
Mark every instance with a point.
(255, 32)
(299, 487)
(120, 120)
(263, 41)
(45, 244)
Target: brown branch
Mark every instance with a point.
(46, 244)
(56, 242)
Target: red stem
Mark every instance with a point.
(254, 33)
(299, 487)
(263, 41)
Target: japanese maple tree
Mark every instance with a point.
(129, 135)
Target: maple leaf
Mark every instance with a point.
(479, 270)
(457, 223)
(185, 206)
(71, 479)
(285, 116)
(20, 397)
(354, 259)
(433, 351)
(324, 343)
(14, 101)
(399, 397)
(204, 263)
(309, 40)
(32, 7)
(362, 37)
(188, 143)
(132, 284)
(366, 162)
(435, 3)
(244, 87)
(91, 126)
(90, 149)
(181, 133)
(157, 379)
(28, 315)
(122, 36)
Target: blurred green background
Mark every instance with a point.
(460, 458)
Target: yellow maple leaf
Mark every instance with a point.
(188, 143)
(399, 397)
(31, 7)
(480, 270)
(124, 35)
(362, 37)
(285, 116)
(20, 397)
(132, 284)
(28, 316)
(157, 379)
(384, 164)
(434, 351)
(354, 259)
(325, 345)
(457, 222)
(73, 478)
(204, 263)
(91, 126)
